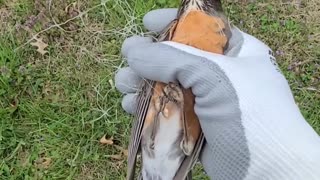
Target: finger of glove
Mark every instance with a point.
(129, 103)
(155, 61)
(206, 160)
(157, 20)
(132, 42)
(161, 62)
(127, 81)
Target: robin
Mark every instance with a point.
(253, 129)
(166, 129)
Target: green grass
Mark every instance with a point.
(59, 105)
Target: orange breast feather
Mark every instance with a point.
(199, 30)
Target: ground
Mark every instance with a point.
(56, 102)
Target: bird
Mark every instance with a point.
(166, 130)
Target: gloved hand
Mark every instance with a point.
(253, 128)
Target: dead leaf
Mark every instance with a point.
(116, 156)
(123, 150)
(40, 45)
(104, 140)
(43, 162)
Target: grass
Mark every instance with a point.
(54, 108)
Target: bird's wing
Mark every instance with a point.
(143, 100)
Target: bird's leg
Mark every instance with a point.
(175, 93)
(183, 99)
(159, 106)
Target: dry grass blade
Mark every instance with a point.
(115, 157)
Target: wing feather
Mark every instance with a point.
(143, 100)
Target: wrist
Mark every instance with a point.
(281, 155)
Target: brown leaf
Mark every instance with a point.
(123, 150)
(104, 140)
(40, 45)
(116, 156)
(43, 162)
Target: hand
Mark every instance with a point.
(253, 128)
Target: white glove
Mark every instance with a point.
(253, 128)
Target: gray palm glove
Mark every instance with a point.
(245, 106)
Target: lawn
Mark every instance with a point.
(57, 101)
